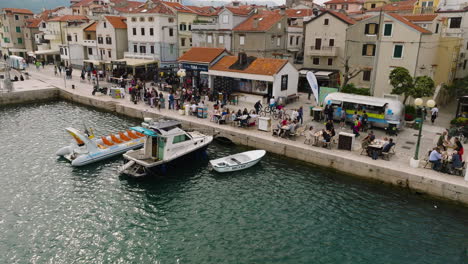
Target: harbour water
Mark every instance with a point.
(281, 211)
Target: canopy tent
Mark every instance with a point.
(137, 62)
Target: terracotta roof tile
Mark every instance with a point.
(407, 5)
(68, 18)
(91, 28)
(261, 66)
(297, 12)
(117, 21)
(129, 5)
(83, 3)
(156, 8)
(408, 23)
(265, 20)
(18, 10)
(178, 7)
(200, 54)
(344, 2)
(33, 23)
(206, 10)
(342, 16)
(240, 11)
(424, 17)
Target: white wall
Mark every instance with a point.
(293, 77)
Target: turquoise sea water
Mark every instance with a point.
(281, 211)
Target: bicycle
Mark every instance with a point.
(268, 110)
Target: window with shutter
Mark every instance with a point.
(366, 75)
(388, 30)
(368, 50)
(397, 51)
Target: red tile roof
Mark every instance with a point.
(344, 2)
(200, 54)
(407, 6)
(18, 11)
(297, 12)
(342, 16)
(265, 20)
(240, 11)
(424, 17)
(117, 21)
(83, 3)
(261, 66)
(68, 18)
(178, 7)
(206, 10)
(338, 15)
(33, 22)
(408, 23)
(157, 7)
(129, 5)
(91, 28)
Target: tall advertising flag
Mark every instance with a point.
(313, 85)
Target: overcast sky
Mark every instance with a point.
(37, 5)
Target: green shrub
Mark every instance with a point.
(410, 109)
(351, 89)
(460, 121)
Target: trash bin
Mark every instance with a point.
(311, 110)
(264, 123)
(317, 113)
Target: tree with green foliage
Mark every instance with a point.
(351, 89)
(458, 88)
(404, 84)
(401, 81)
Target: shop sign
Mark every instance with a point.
(194, 67)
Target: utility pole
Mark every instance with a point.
(100, 56)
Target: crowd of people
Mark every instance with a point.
(447, 156)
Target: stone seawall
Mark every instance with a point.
(417, 180)
(29, 96)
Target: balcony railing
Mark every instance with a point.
(205, 26)
(323, 51)
(424, 10)
(89, 42)
(145, 56)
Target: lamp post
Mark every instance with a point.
(414, 162)
(181, 73)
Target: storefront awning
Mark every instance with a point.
(17, 50)
(137, 62)
(94, 62)
(238, 75)
(46, 52)
(322, 73)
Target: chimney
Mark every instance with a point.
(242, 58)
(235, 3)
(282, 10)
(315, 11)
(255, 23)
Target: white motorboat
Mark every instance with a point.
(238, 161)
(163, 145)
(87, 149)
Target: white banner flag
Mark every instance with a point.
(313, 85)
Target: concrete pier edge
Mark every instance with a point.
(444, 187)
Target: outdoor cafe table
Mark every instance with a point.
(376, 145)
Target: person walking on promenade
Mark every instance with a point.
(55, 70)
(343, 118)
(434, 113)
(171, 101)
(60, 70)
(300, 116)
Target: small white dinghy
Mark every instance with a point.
(238, 161)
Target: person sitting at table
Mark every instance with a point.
(456, 162)
(244, 122)
(245, 112)
(368, 140)
(239, 113)
(329, 125)
(294, 114)
(442, 141)
(459, 147)
(326, 138)
(332, 132)
(309, 135)
(435, 157)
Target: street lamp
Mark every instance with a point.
(181, 73)
(414, 162)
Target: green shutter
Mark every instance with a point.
(18, 29)
(388, 30)
(20, 41)
(398, 51)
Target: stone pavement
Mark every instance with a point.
(405, 141)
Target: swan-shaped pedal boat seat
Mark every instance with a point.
(131, 135)
(124, 137)
(106, 141)
(115, 139)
